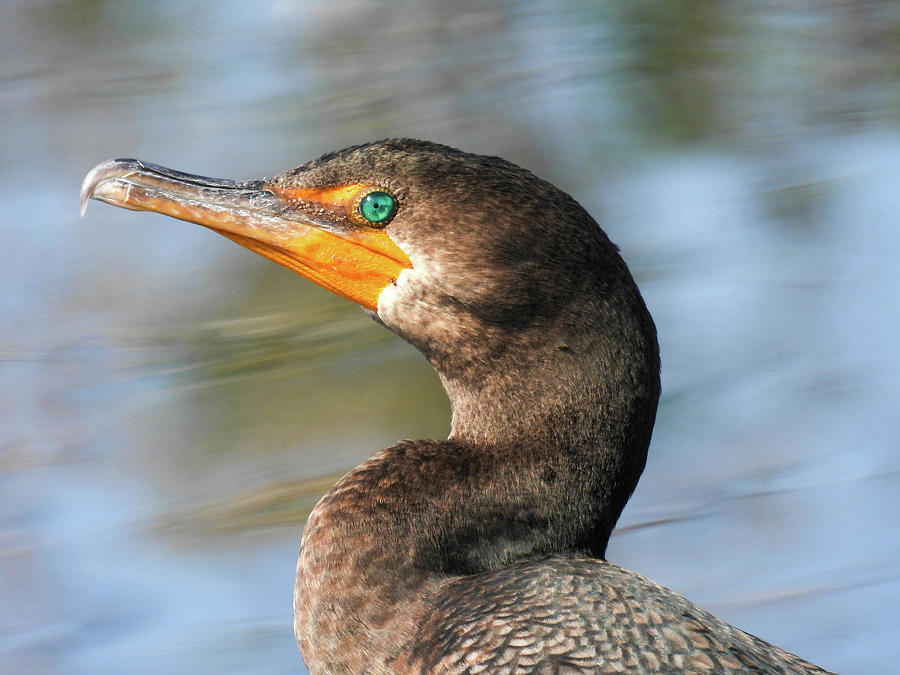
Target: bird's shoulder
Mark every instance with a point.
(581, 616)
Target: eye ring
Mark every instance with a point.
(377, 207)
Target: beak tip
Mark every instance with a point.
(101, 173)
(90, 183)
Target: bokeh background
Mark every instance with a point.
(171, 405)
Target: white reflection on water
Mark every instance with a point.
(159, 389)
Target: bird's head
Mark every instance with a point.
(503, 281)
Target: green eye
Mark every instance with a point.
(378, 207)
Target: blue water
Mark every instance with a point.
(171, 405)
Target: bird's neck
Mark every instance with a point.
(577, 391)
(551, 424)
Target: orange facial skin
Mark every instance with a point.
(354, 264)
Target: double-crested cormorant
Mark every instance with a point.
(484, 552)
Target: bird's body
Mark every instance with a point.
(367, 600)
(484, 552)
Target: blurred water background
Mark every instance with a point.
(171, 405)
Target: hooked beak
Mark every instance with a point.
(307, 231)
